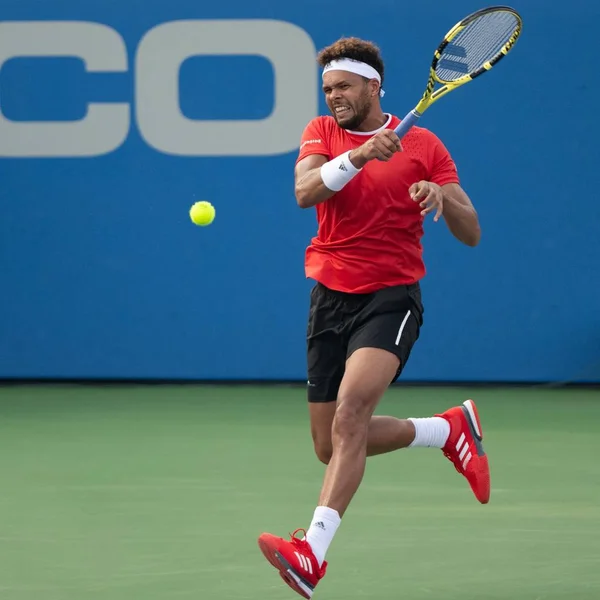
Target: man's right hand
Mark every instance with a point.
(382, 146)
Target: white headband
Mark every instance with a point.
(354, 66)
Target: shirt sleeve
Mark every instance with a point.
(313, 140)
(442, 168)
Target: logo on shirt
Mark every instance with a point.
(309, 142)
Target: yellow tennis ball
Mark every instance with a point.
(202, 213)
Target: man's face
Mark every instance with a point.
(348, 98)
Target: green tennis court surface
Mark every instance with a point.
(127, 493)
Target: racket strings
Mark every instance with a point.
(476, 44)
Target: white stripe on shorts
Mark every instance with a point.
(399, 336)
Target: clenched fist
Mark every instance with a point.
(382, 146)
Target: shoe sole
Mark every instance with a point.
(299, 585)
(471, 415)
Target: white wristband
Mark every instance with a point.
(338, 172)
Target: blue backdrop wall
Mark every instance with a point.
(117, 116)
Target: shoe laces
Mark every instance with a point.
(304, 546)
(300, 542)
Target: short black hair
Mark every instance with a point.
(355, 49)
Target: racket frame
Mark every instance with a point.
(429, 95)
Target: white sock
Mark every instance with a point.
(321, 531)
(431, 432)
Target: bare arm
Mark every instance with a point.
(460, 215)
(309, 187)
(451, 202)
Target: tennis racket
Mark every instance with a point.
(469, 49)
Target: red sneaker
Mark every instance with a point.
(465, 450)
(295, 561)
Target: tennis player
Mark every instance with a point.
(371, 195)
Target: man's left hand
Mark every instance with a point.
(430, 197)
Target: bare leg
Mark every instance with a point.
(385, 434)
(367, 376)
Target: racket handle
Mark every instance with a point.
(409, 120)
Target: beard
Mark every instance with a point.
(360, 113)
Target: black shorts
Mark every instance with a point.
(339, 323)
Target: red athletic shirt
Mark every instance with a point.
(369, 233)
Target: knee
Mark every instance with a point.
(323, 450)
(321, 435)
(321, 418)
(351, 418)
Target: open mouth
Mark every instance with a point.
(341, 111)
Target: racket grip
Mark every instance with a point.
(409, 120)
